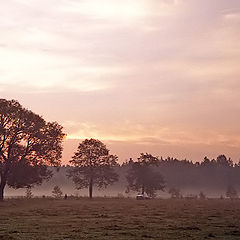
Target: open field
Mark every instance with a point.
(105, 218)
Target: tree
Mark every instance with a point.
(29, 192)
(223, 161)
(28, 145)
(206, 161)
(142, 177)
(175, 193)
(93, 165)
(231, 192)
(57, 192)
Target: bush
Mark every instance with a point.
(57, 192)
(29, 193)
(231, 193)
(202, 196)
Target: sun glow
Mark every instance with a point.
(109, 9)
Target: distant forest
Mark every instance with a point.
(211, 177)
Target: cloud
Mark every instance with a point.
(146, 71)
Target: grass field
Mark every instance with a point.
(105, 218)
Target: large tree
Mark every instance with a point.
(28, 145)
(93, 165)
(143, 176)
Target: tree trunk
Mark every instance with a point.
(90, 188)
(2, 186)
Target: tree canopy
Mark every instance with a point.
(142, 176)
(93, 166)
(28, 144)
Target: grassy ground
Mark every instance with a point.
(128, 219)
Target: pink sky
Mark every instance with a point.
(158, 76)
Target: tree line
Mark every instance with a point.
(29, 145)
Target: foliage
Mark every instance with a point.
(57, 192)
(202, 196)
(93, 166)
(22, 175)
(223, 161)
(29, 193)
(142, 176)
(213, 175)
(175, 192)
(27, 145)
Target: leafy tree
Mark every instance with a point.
(57, 192)
(175, 193)
(142, 177)
(223, 161)
(231, 192)
(28, 144)
(206, 161)
(93, 166)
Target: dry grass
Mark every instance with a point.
(103, 218)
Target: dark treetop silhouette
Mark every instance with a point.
(28, 144)
(93, 166)
(142, 176)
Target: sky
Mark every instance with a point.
(157, 76)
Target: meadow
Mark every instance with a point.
(113, 218)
